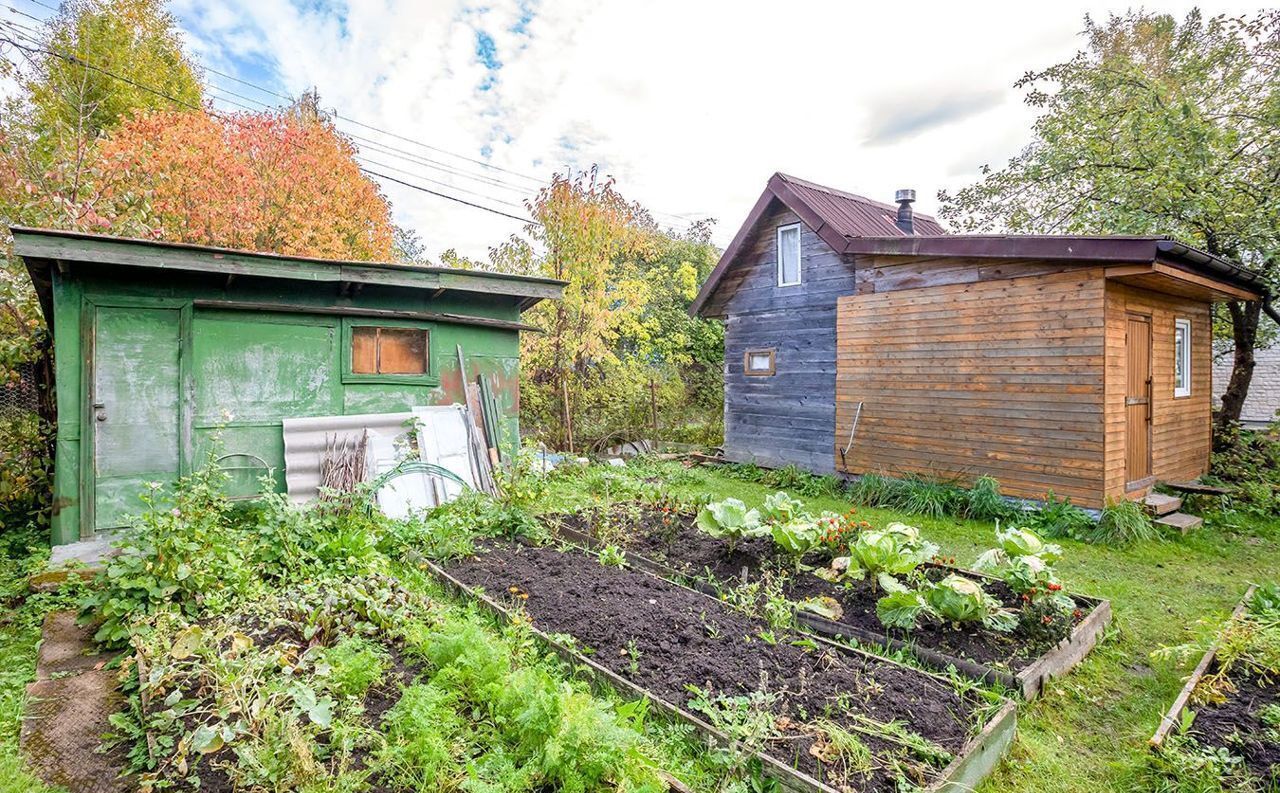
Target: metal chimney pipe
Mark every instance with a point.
(906, 217)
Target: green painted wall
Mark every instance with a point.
(178, 383)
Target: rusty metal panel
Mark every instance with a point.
(305, 440)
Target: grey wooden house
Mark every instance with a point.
(861, 337)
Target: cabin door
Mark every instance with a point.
(1137, 401)
(133, 410)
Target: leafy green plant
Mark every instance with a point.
(1025, 562)
(780, 508)
(874, 490)
(884, 554)
(955, 600)
(928, 497)
(983, 501)
(352, 665)
(1123, 522)
(1058, 519)
(731, 521)
(612, 556)
(796, 537)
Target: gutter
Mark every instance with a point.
(1227, 270)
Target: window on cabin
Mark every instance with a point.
(758, 363)
(789, 255)
(377, 350)
(1182, 357)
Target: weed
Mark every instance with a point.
(353, 664)
(612, 556)
(984, 502)
(928, 497)
(1058, 519)
(874, 490)
(1123, 522)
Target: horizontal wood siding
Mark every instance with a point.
(976, 374)
(785, 418)
(1181, 428)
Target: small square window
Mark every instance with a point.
(789, 255)
(394, 351)
(758, 363)
(1182, 357)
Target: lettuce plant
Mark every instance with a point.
(780, 508)
(954, 600)
(731, 521)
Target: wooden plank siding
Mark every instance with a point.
(785, 418)
(1181, 427)
(964, 371)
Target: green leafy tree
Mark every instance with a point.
(1159, 127)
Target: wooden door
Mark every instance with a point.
(1137, 401)
(134, 409)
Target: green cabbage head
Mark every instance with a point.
(730, 520)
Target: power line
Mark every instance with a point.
(77, 60)
(378, 146)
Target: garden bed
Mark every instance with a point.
(1234, 718)
(668, 544)
(687, 651)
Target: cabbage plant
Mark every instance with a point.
(955, 600)
(797, 537)
(731, 521)
(780, 508)
(1025, 562)
(884, 554)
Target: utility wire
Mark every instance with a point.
(38, 48)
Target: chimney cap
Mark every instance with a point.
(906, 195)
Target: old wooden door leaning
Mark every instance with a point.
(135, 414)
(1137, 400)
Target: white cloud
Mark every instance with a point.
(691, 105)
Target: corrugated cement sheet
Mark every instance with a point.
(305, 440)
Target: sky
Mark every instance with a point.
(689, 105)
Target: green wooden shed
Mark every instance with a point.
(166, 353)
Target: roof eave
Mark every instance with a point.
(71, 246)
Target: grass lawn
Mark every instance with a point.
(1090, 731)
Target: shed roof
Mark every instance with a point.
(852, 224)
(41, 249)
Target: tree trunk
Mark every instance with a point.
(1244, 334)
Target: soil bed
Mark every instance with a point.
(1236, 724)
(673, 539)
(666, 639)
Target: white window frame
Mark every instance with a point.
(799, 260)
(1182, 326)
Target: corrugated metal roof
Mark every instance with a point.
(854, 215)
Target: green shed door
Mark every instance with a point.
(135, 414)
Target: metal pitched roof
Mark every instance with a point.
(854, 215)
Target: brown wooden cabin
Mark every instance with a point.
(1079, 365)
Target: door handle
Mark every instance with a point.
(99, 411)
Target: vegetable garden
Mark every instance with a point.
(673, 630)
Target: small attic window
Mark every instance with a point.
(789, 255)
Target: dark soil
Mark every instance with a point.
(642, 530)
(665, 638)
(1236, 725)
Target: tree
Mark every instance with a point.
(1155, 127)
(280, 182)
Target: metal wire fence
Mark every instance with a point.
(19, 395)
